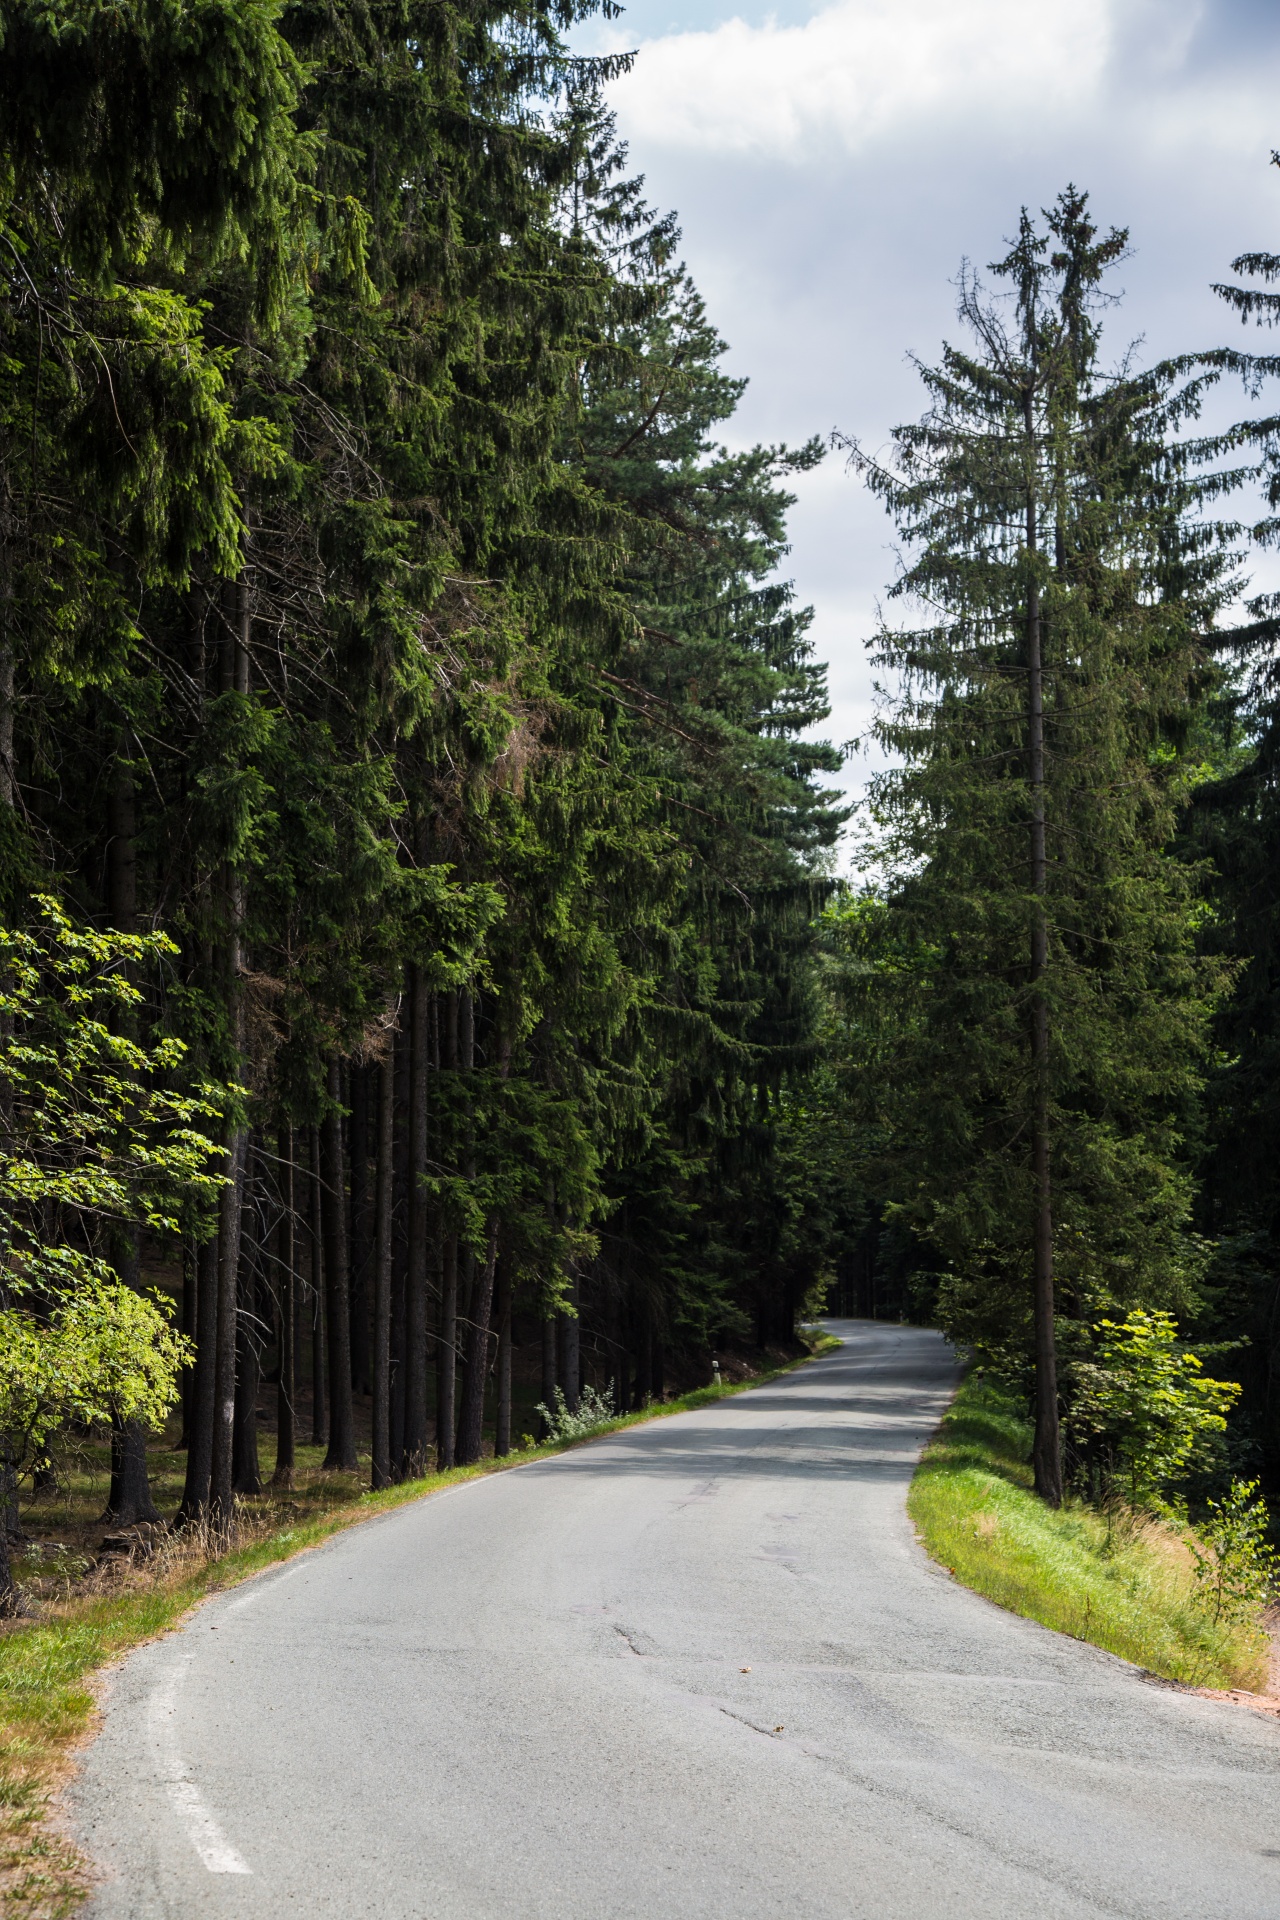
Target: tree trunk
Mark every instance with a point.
(8, 577)
(471, 1421)
(415, 1315)
(129, 1502)
(300, 1285)
(8, 784)
(381, 1474)
(195, 1493)
(235, 660)
(287, 1286)
(246, 1472)
(570, 1368)
(399, 1246)
(361, 1228)
(502, 1319)
(190, 1270)
(1047, 1450)
(644, 1354)
(341, 1455)
(319, 1413)
(221, 1495)
(548, 1371)
(446, 1377)
(469, 1272)
(10, 1599)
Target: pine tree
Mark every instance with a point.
(1032, 1004)
(1235, 825)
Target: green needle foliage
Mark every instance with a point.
(381, 616)
(1032, 1005)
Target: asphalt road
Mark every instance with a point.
(699, 1669)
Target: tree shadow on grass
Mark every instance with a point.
(986, 1429)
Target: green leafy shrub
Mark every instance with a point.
(1143, 1414)
(95, 1141)
(595, 1410)
(1237, 1567)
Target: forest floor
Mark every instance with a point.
(1119, 1579)
(89, 1607)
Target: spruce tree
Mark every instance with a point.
(1030, 998)
(1235, 825)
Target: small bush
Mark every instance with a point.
(595, 1410)
(1143, 1414)
(1238, 1569)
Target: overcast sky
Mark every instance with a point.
(832, 165)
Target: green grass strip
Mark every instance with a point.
(1124, 1582)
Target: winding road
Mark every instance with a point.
(699, 1670)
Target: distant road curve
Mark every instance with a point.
(700, 1668)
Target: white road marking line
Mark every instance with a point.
(216, 1852)
(262, 1583)
(206, 1836)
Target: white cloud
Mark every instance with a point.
(858, 69)
(831, 175)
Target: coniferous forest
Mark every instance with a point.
(427, 994)
(395, 684)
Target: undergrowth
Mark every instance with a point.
(1120, 1580)
(47, 1664)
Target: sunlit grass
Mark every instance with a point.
(1121, 1581)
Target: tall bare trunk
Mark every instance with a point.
(341, 1455)
(644, 1353)
(471, 1421)
(190, 1272)
(455, 1046)
(246, 1470)
(221, 1495)
(382, 1275)
(1047, 1451)
(129, 1501)
(362, 1226)
(315, 1235)
(447, 1353)
(401, 1065)
(319, 1365)
(195, 1493)
(10, 1598)
(502, 1320)
(7, 783)
(200, 1303)
(415, 1314)
(287, 1306)
(8, 637)
(570, 1358)
(233, 676)
(548, 1369)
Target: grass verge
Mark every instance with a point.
(1123, 1582)
(46, 1665)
